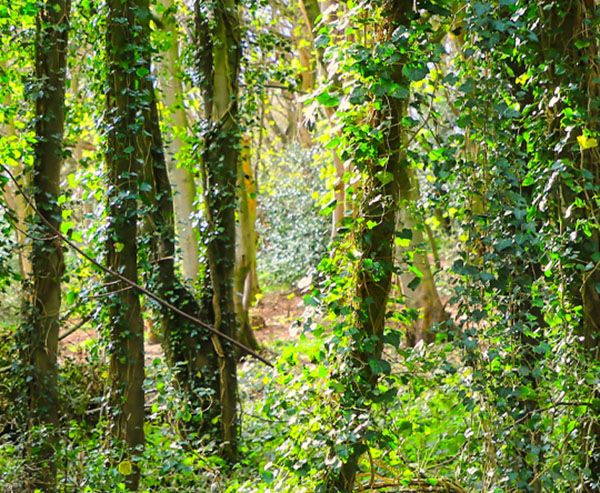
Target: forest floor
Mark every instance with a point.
(272, 318)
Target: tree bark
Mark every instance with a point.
(311, 12)
(219, 48)
(127, 45)
(189, 349)
(42, 308)
(245, 270)
(577, 21)
(182, 179)
(379, 205)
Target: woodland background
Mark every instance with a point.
(287, 246)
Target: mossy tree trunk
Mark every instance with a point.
(577, 21)
(189, 348)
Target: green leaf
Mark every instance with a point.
(328, 100)
(415, 72)
(529, 180)
(380, 366)
(385, 177)
(71, 181)
(503, 244)
(333, 143)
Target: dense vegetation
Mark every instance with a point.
(423, 175)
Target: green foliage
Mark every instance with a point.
(502, 131)
(293, 235)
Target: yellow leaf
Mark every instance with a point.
(522, 78)
(586, 142)
(125, 468)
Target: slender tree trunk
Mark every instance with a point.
(47, 264)
(245, 270)
(219, 63)
(189, 348)
(578, 21)
(182, 179)
(419, 289)
(586, 29)
(311, 11)
(127, 46)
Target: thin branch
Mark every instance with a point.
(75, 328)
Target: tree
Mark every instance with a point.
(383, 171)
(312, 12)
(245, 288)
(182, 179)
(126, 55)
(42, 310)
(219, 54)
(575, 71)
(189, 349)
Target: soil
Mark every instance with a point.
(272, 318)
(274, 315)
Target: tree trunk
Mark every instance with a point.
(42, 309)
(577, 21)
(376, 243)
(418, 288)
(189, 349)
(245, 270)
(311, 12)
(182, 179)
(126, 31)
(219, 63)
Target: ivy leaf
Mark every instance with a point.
(385, 177)
(502, 245)
(586, 142)
(125, 468)
(414, 284)
(380, 366)
(321, 41)
(393, 338)
(328, 100)
(415, 73)
(529, 180)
